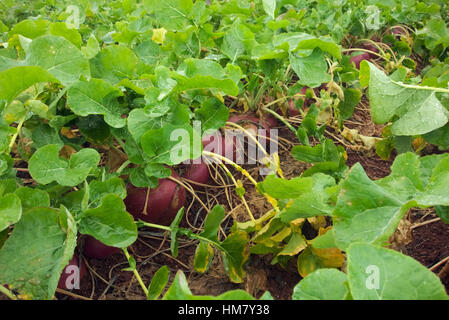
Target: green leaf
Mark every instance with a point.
(59, 57)
(213, 114)
(204, 254)
(110, 223)
(140, 120)
(10, 210)
(92, 47)
(311, 70)
(15, 80)
(365, 212)
(114, 63)
(171, 14)
(323, 284)
(237, 41)
(96, 97)
(203, 74)
(157, 170)
(33, 258)
(179, 290)
(270, 7)
(172, 144)
(45, 166)
(148, 51)
(99, 189)
(347, 106)
(236, 255)
(158, 283)
(94, 128)
(418, 111)
(31, 198)
(174, 227)
(212, 223)
(303, 42)
(443, 213)
(377, 273)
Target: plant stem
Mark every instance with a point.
(281, 118)
(123, 166)
(410, 86)
(7, 293)
(136, 273)
(14, 137)
(54, 102)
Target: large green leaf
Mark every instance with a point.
(418, 110)
(114, 63)
(365, 212)
(33, 258)
(312, 69)
(45, 166)
(110, 223)
(96, 96)
(377, 273)
(172, 144)
(213, 114)
(31, 198)
(10, 210)
(59, 57)
(171, 14)
(323, 284)
(15, 80)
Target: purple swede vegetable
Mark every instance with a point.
(159, 205)
(96, 249)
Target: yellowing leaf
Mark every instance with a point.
(159, 35)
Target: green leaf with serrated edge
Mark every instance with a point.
(31, 198)
(213, 114)
(45, 166)
(236, 255)
(96, 96)
(370, 215)
(179, 290)
(10, 210)
(110, 223)
(418, 111)
(15, 80)
(311, 70)
(158, 283)
(323, 284)
(204, 254)
(34, 256)
(174, 227)
(172, 144)
(270, 7)
(99, 189)
(377, 273)
(59, 57)
(114, 63)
